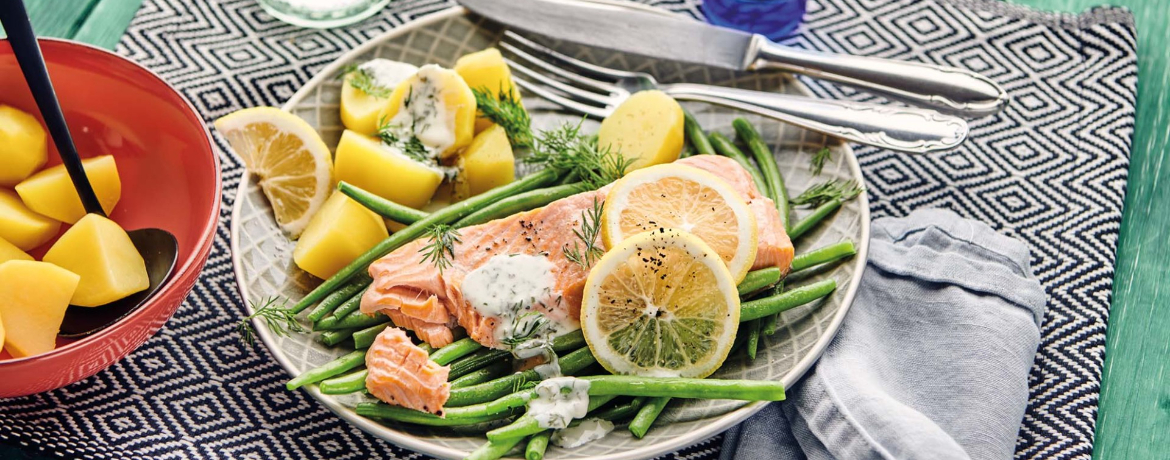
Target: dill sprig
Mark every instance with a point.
(828, 190)
(525, 327)
(410, 146)
(363, 80)
(506, 111)
(818, 160)
(440, 250)
(567, 151)
(587, 233)
(279, 319)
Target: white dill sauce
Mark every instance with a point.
(386, 73)
(423, 113)
(558, 401)
(588, 430)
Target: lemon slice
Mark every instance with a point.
(686, 198)
(290, 158)
(661, 303)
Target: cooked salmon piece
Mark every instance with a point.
(400, 373)
(406, 286)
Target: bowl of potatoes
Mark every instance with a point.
(151, 162)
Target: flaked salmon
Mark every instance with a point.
(417, 296)
(400, 373)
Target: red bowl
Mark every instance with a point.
(170, 180)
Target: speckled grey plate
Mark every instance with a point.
(263, 262)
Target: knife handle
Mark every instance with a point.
(904, 129)
(948, 89)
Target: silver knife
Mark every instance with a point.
(636, 31)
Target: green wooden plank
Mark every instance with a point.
(52, 18)
(107, 22)
(1133, 420)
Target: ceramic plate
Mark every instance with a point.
(263, 262)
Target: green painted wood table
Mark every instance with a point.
(1134, 417)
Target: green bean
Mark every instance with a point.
(830, 253)
(493, 450)
(483, 375)
(332, 368)
(570, 341)
(753, 340)
(646, 416)
(411, 232)
(401, 414)
(621, 411)
(381, 206)
(688, 150)
(356, 320)
(426, 347)
(455, 350)
(760, 308)
(345, 309)
(365, 337)
(346, 384)
(331, 338)
(725, 147)
(527, 425)
(678, 387)
(572, 177)
(695, 134)
(537, 444)
(571, 363)
(476, 361)
(332, 301)
(804, 225)
(770, 323)
(757, 280)
(521, 202)
(767, 162)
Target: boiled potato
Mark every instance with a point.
(98, 250)
(23, 147)
(438, 106)
(647, 128)
(486, 164)
(33, 299)
(51, 193)
(486, 69)
(340, 232)
(359, 110)
(22, 227)
(9, 251)
(368, 164)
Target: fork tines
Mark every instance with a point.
(571, 83)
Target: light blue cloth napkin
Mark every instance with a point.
(931, 362)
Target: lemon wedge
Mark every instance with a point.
(288, 156)
(688, 199)
(662, 304)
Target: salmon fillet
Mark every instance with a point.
(400, 373)
(429, 302)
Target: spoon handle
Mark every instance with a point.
(32, 64)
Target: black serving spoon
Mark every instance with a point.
(159, 248)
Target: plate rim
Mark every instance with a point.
(417, 444)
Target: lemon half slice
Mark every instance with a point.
(662, 304)
(688, 199)
(288, 155)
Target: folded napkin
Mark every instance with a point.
(932, 360)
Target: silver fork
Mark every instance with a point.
(596, 91)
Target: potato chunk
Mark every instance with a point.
(340, 232)
(363, 161)
(98, 250)
(9, 251)
(33, 299)
(437, 107)
(22, 227)
(486, 164)
(359, 110)
(23, 146)
(51, 193)
(486, 69)
(646, 128)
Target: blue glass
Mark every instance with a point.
(774, 19)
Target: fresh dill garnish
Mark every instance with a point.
(506, 111)
(440, 250)
(587, 233)
(363, 80)
(410, 146)
(819, 159)
(567, 151)
(525, 327)
(278, 318)
(834, 189)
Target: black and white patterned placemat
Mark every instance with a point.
(1051, 169)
